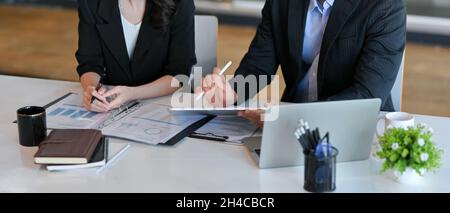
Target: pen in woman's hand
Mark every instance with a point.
(93, 98)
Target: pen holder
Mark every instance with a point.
(320, 172)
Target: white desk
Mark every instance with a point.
(190, 166)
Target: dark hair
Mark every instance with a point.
(162, 13)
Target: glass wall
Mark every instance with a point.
(433, 8)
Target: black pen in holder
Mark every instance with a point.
(320, 158)
(320, 172)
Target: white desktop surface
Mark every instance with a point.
(190, 166)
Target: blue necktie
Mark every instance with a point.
(311, 48)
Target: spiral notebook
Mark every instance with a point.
(141, 122)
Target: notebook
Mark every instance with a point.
(98, 159)
(69, 146)
(147, 123)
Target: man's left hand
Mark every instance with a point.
(254, 116)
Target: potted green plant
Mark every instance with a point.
(409, 153)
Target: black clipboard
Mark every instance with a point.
(57, 100)
(187, 132)
(53, 102)
(209, 136)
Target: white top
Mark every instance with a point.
(131, 33)
(191, 166)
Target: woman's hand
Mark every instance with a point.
(89, 82)
(119, 96)
(99, 104)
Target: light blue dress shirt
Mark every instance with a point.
(316, 22)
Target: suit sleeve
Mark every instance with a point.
(381, 56)
(89, 54)
(181, 56)
(261, 58)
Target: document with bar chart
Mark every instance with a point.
(70, 113)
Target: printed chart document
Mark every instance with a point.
(151, 124)
(227, 129)
(69, 113)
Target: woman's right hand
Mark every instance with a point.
(89, 82)
(100, 104)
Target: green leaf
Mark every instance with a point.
(405, 153)
(393, 157)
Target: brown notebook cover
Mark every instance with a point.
(68, 146)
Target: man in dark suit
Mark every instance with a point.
(328, 50)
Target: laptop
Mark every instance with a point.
(351, 125)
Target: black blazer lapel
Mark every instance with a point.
(341, 12)
(297, 13)
(112, 33)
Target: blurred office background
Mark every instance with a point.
(38, 38)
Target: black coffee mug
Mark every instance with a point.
(32, 125)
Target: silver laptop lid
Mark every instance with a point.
(351, 125)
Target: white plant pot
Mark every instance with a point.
(410, 176)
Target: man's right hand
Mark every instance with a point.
(217, 91)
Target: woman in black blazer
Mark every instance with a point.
(163, 48)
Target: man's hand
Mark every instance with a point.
(254, 116)
(217, 91)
